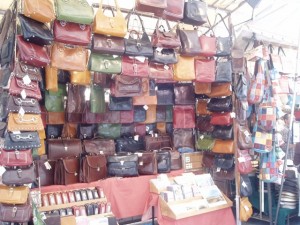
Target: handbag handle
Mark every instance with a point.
(128, 20)
(116, 4)
(157, 23)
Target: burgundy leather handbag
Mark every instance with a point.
(183, 138)
(32, 90)
(153, 6)
(61, 148)
(108, 45)
(161, 72)
(19, 176)
(147, 163)
(12, 158)
(222, 119)
(75, 103)
(22, 69)
(126, 86)
(184, 116)
(244, 162)
(203, 124)
(184, 94)
(134, 67)
(208, 45)
(93, 168)
(72, 33)
(205, 70)
(100, 146)
(174, 10)
(126, 116)
(15, 213)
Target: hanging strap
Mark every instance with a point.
(128, 19)
(222, 19)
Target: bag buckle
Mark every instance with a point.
(109, 42)
(14, 212)
(19, 172)
(24, 137)
(138, 45)
(20, 101)
(82, 26)
(135, 68)
(17, 154)
(106, 64)
(33, 119)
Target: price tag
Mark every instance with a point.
(242, 159)
(147, 128)
(26, 80)
(166, 67)
(187, 159)
(155, 135)
(244, 184)
(246, 133)
(23, 94)
(136, 137)
(101, 152)
(21, 111)
(201, 137)
(246, 208)
(156, 88)
(158, 49)
(139, 154)
(218, 169)
(146, 107)
(232, 114)
(16, 132)
(87, 94)
(115, 56)
(140, 58)
(2, 170)
(47, 165)
(141, 163)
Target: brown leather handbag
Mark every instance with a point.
(202, 107)
(126, 86)
(223, 147)
(153, 6)
(67, 171)
(244, 164)
(190, 45)
(219, 90)
(244, 138)
(183, 138)
(100, 146)
(157, 142)
(75, 103)
(22, 69)
(13, 195)
(134, 67)
(55, 118)
(51, 78)
(15, 213)
(43, 173)
(147, 164)
(65, 58)
(184, 70)
(184, 94)
(160, 71)
(10, 158)
(108, 45)
(176, 162)
(205, 70)
(174, 10)
(202, 88)
(150, 114)
(32, 90)
(184, 116)
(61, 148)
(93, 168)
(27, 122)
(40, 10)
(144, 100)
(69, 130)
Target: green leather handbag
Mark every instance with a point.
(205, 142)
(97, 100)
(105, 63)
(74, 11)
(169, 113)
(54, 101)
(108, 130)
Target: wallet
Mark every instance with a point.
(58, 198)
(95, 194)
(82, 210)
(45, 200)
(64, 197)
(51, 199)
(89, 194)
(71, 196)
(89, 209)
(83, 195)
(77, 196)
(76, 210)
(62, 212)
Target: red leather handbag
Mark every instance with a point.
(244, 162)
(160, 71)
(126, 116)
(15, 158)
(133, 67)
(174, 10)
(153, 6)
(184, 116)
(72, 33)
(32, 54)
(222, 119)
(205, 70)
(17, 86)
(208, 45)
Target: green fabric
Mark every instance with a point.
(54, 101)
(107, 130)
(205, 142)
(37, 215)
(105, 63)
(169, 113)
(97, 100)
(74, 11)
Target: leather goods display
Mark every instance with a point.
(108, 45)
(147, 163)
(202, 88)
(154, 6)
(108, 130)
(244, 162)
(126, 86)
(32, 54)
(184, 70)
(120, 104)
(54, 100)
(105, 63)
(34, 31)
(184, 94)
(184, 116)
(51, 78)
(223, 161)
(13, 195)
(241, 88)
(93, 168)
(25, 140)
(208, 45)
(195, 12)
(99, 146)
(223, 132)
(67, 58)
(205, 142)
(246, 210)
(97, 101)
(11, 158)
(29, 105)
(72, 33)
(129, 144)
(157, 141)
(19, 176)
(246, 187)
(220, 104)
(150, 114)
(122, 165)
(61, 148)
(67, 171)
(224, 71)
(139, 114)
(205, 70)
(222, 119)
(126, 117)
(176, 162)
(112, 26)
(220, 90)
(244, 138)
(86, 131)
(134, 67)
(75, 103)
(201, 107)
(174, 10)
(15, 213)
(80, 77)
(183, 138)
(163, 158)
(223, 46)
(31, 90)
(69, 130)
(160, 72)
(164, 56)
(144, 100)
(203, 124)
(223, 146)
(55, 118)
(74, 11)
(190, 45)
(165, 96)
(39, 10)
(43, 173)
(27, 122)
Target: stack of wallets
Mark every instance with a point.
(176, 189)
(168, 196)
(196, 191)
(187, 191)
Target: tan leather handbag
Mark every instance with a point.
(184, 70)
(51, 79)
(223, 147)
(82, 78)
(246, 210)
(13, 195)
(202, 107)
(40, 10)
(202, 88)
(161, 127)
(144, 100)
(150, 114)
(219, 90)
(27, 122)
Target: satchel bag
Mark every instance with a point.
(72, 33)
(74, 11)
(29, 105)
(244, 138)
(157, 142)
(205, 70)
(20, 158)
(122, 165)
(195, 12)
(31, 90)
(15, 213)
(134, 67)
(184, 116)
(126, 86)
(147, 163)
(223, 132)
(222, 119)
(184, 94)
(174, 10)
(67, 171)
(183, 138)
(109, 130)
(99, 146)
(246, 210)
(25, 140)
(184, 70)
(164, 56)
(190, 45)
(161, 72)
(220, 90)
(163, 158)
(27, 122)
(112, 26)
(54, 101)
(39, 10)
(105, 63)
(223, 147)
(19, 176)
(44, 174)
(153, 6)
(205, 142)
(208, 45)
(108, 45)
(61, 148)
(32, 54)
(51, 77)
(244, 162)
(66, 58)
(220, 104)
(93, 168)
(139, 114)
(129, 144)
(224, 71)
(13, 195)
(201, 107)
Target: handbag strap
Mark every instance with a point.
(110, 7)
(158, 22)
(128, 20)
(222, 19)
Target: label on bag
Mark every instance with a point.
(23, 94)
(246, 208)
(218, 169)
(136, 137)
(16, 132)
(244, 184)
(22, 111)
(201, 137)
(242, 159)
(140, 58)
(141, 163)
(166, 67)
(246, 133)
(232, 114)
(47, 165)
(26, 80)
(146, 107)
(127, 35)
(158, 49)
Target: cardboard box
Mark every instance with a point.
(192, 161)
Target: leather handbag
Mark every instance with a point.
(205, 142)
(19, 176)
(51, 78)
(140, 129)
(195, 12)
(129, 144)
(161, 113)
(54, 101)
(126, 117)
(25, 140)
(174, 10)
(108, 45)
(144, 100)
(61, 148)
(220, 104)
(223, 147)
(184, 94)
(244, 138)
(120, 104)
(201, 107)
(44, 173)
(112, 117)
(139, 114)
(223, 46)
(122, 165)
(202, 88)
(220, 90)
(34, 31)
(72, 33)
(29, 105)
(15, 213)
(165, 96)
(108, 130)
(246, 188)
(246, 210)
(208, 159)
(67, 171)
(222, 119)
(99, 146)
(184, 70)
(203, 124)
(101, 79)
(140, 46)
(154, 6)
(205, 70)
(5, 73)
(223, 174)
(31, 90)
(55, 118)
(147, 163)
(93, 168)
(108, 64)
(80, 77)
(157, 141)
(74, 11)
(160, 72)
(69, 130)
(63, 76)
(164, 56)
(223, 161)
(27, 122)
(112, 26)
(86, 131)
(183, 138)
(208, 45)
(13, 195)
(75, 103)
(127, 129)
(244, 164)
(32, 54)
(39, 10)
(53, 219)
(97, 99)
(184, 116)
(241, 88)
(165, 39)
(176, 161)
(21, 158)
(224, 71)
(223, 132)
(150, 114)
(134, 67)
(163, 158)
(67, 58)
(190, 45)
(126, 86)
(88, 117)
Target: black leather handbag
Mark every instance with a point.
(122, 165)
(54, 131)
(139, 114)
(190, 45)
(225, 162)
(163, 158)
(195, 12)
(165, 56)
(86, 131)
(24, 140)
(223, 132)
(165, 96)
(120, 103)
(129, 144)
(224, 71)
(241, 88)
(220, 104)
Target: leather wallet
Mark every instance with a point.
(71, 196)
(95, 194)
(83, 195)
(65, 197)
(45, 200)
(89, 209)
(82, 210)
(69, 211)
(58, 198)
(89, 194)
(95, 208)
(101, 208)
(76, 211)
(62, 212)
(51, 199)
(77, 196)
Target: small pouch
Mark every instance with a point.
(27, 122)
(24, 140)
(29, 105)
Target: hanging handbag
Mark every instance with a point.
(205, 142)
(223, 132)
(25, 140)
(266, 115)
(174, 10)
(120, 104)
(220, 104)
(222, 119)
(157, 141)
(153, 6)
(19, 176)
(29, 105)
(17, 86)
(139, 114)
(15, 213)
(67, 171)
(134, 67)
(108, 45)
(244, 138)
(203, 124)
(184, 116)
(165, 96)
(223, 147)
(202, 88)
(61, 148)
(13, 158)
(224, 44)
(97, 99)
(190, 45)
(129, 144)
(72, 33)
(201, 107)
(220, 90)
(35, 32)
(246, 210)
(51, 78)
(241, 88)
(164, 56)
(184, 94)
(223, 161)
(195, 12)
(27, 122)
(160, 72)
(205, 70)
(269, 170)
(99, 146)
(54, 131)
(32, 54)
(244, 164)
(263, 140)
(54, 101)
(13, 195)
(246, 186)
(122, 165)
(224, 71)
(108, 64)
(184, 70)
(43, 173)
(109, 130)
(208, 45)
(74, 11)
(126, 86)
(183, 138)
(75, 103)
(39, 10)
(163, 157)
(111, 26)
(257, 85)
(93, 168)
(66, 58)
(147, 163)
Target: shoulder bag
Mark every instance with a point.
(208, 45)
(153, 6)
(174, 10)
(24, 140)
(183, 138)
(54, 101)
(224, 71)
(205, 142)
(222, 119)
(184, 94)
(205, 70)
(190, 45)
(244, 137)
(39, 10)
(195, 12)
(184, 116)
(122, 165)
(13, 195)
(202, 88)
(244, 164)
(184, 70)
(19, 176)
(93, 168)
(108, 45)
(147, 163)
(15, 213)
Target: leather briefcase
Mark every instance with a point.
(61, 148)
(67, 171)
(123, 165)
(100, 146)
(147, 163)
(43, 173)
(93, 168)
